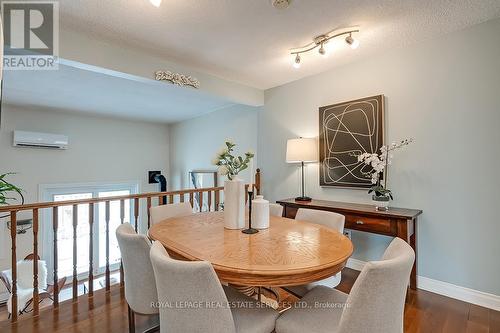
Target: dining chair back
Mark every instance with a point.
(328, 219)
(185, 285)
(275, 209)
(378, 295)
(163, 212)
(140, 285)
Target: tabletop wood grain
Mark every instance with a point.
(289, 253)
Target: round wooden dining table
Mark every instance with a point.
(288, 253)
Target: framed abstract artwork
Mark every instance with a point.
(347, 130)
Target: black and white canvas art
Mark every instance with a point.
(347, 130)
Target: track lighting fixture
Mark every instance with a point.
(321, 40)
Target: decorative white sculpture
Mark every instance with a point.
(178, 79)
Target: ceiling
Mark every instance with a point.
(248, 41)
(72, 89)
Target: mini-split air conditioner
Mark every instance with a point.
(39, 140)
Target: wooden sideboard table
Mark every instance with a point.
(396, 222)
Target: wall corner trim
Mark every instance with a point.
(477, 297)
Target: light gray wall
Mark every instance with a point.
(194, 143)
(446, 94)
(100, 150)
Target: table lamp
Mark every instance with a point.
(302, 150)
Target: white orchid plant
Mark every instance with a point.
(379, 164)
(228, 164)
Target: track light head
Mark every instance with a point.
(322, 50)
(353, 43)
(296, 62)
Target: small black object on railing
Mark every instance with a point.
(157, 177)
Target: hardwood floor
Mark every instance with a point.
(424, 312)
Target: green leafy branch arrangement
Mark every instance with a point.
(6, 187)
(230, 165)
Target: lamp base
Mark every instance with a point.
(303, 199)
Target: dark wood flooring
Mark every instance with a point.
(107, 312)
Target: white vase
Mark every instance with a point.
(260, 213)
(234, 204)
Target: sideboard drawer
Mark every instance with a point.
(364, 223)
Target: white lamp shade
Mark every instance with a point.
(301, 150)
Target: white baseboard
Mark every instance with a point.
(355, 264)
(461, 293)
(477, 297)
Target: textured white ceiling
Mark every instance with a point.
(247, 41)
(76, 90)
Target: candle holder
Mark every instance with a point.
(250, 230)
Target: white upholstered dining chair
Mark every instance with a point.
(163, 212)
(275, 209)
(374, 305)
(140, 285)
(328, 219)
(185, 283)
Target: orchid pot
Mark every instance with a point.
(381, 202)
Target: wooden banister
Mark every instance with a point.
(97, 200)
(148, 203)
(75, 253)
(91, 249)
(55, 222)
(200, 203)
(213, 202)
(136, 212)
(257, 182)
(122, 220)
(36, 301)
(13, 234)
(217, 200)
(209, 200)
(107, 277)
(52, 204)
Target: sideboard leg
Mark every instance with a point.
(413, 244)
(408, 232)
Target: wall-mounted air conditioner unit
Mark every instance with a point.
(40, 140)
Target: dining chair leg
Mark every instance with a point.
(131, 320)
